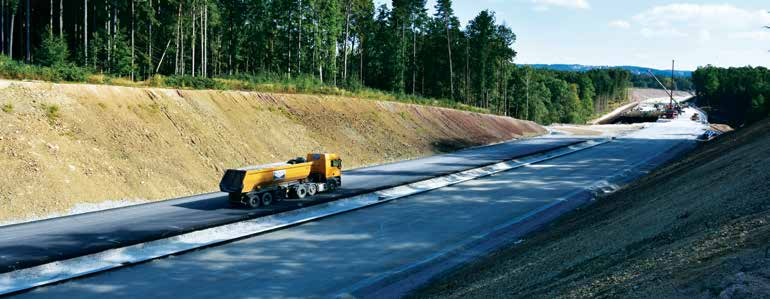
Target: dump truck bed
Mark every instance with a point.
(255, 177)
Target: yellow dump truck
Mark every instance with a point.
(262, 185)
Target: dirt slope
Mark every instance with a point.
(62, 144)
(699, 228)
(641, 94)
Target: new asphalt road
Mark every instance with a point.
(35, 243)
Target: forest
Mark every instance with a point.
(736, 96)
(349, 44)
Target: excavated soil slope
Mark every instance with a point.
(699, 228)
(641, 94)
(63, 144)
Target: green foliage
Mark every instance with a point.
(736, 96)
(7, 108)
(69, 72)
(12, 69)
(120, 63)
(191, 82)
(52, 111)
(53, 51)
(547, 96)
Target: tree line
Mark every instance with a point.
(399, 48)
(736, 96)
(548, 96)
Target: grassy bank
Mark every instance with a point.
(70, 73)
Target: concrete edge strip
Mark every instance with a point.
(59, 271)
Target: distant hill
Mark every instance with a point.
(636, 70)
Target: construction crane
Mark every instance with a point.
(671, 110)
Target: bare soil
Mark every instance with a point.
(698, 228)
(68, 144)
(641, 94)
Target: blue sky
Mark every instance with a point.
(647, 33)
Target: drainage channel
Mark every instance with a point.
(60, 271)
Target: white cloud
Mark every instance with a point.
(620, 24)
(752, 35)
(662, 33)
(541, 5)
(703, 22)
(723, 15)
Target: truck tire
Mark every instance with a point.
(332, 184)
(312, 189)
(300, 191)
(267, 199)
(252, 201)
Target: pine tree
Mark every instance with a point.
(53, 51)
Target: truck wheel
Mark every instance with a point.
(267, 199)
(312, 189)
(252, 201)
(300, 191)
(332, 184)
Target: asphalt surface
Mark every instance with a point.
(35, 243)
(356, 252)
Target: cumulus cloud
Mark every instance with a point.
(572, 4)
(751, 35)
(703, 22)
(620, 24)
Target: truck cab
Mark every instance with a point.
(325, 167)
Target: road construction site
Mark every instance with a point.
(98, 146)
(387, 231)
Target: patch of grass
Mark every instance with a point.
(101, 105)
(154, 107)
(286, 113)
(192, 82)
(96, 79)
(52, 111)
(7, 108)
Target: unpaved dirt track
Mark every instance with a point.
(349, 253)
(36, 243)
